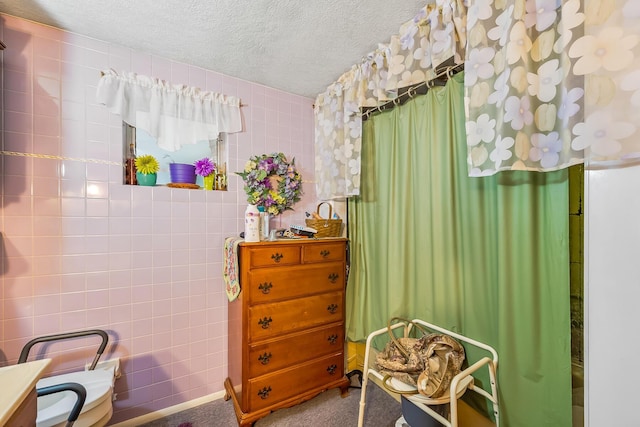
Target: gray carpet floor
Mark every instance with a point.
(328, 409)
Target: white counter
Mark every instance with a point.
(17, 382)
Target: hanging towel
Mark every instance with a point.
(230, 267)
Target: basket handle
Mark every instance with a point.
(330, 209)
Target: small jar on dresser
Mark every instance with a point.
(286, 328)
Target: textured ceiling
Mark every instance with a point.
(293, 45)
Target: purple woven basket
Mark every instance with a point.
(182, 172)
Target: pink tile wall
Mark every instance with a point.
(81, 250)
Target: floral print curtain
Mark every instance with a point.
(551, 83)
(548, 84)
(435, 35)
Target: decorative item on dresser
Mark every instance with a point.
(286, 328)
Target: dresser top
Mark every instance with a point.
(295, 241)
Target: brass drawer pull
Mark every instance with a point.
(264, 358)
(332, 339)
(324, 253)
(277, 257)
(265, 287)
(331, 369)
(333, 277)
(265, 322)
(332, 308)
(264, 393)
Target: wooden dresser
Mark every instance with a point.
(286, 328)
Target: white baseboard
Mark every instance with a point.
(147, 418)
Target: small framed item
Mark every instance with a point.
(300, 230)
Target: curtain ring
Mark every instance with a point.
(409, 92)
(449, 71)
(396, 101)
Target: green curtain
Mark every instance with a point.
(487, 257)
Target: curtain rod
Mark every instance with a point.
(440, 79)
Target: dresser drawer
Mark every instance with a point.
(295, 348)
(270, 284)
(271, 320)
(323, 252)
(270, 389)
(276, 255)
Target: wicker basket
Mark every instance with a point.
(326, 227)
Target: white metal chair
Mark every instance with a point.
(459, 385)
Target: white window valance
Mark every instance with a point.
(174, 114)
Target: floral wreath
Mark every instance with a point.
(272, 182)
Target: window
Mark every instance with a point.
(143, 143)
